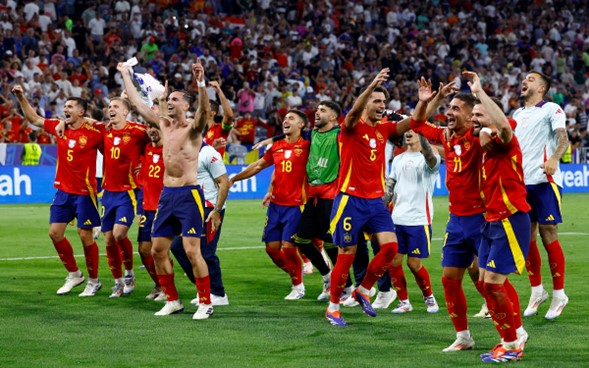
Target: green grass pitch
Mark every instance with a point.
(259, 328)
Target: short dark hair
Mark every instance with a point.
(80, 101)
(187, 96)
(214, 106)
(467, 98)
(382, 89)
(332, 105)
(300, 114)
(545, 79)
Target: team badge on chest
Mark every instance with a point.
(458, 149)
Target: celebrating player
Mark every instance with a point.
(75, 180)
(506, 234)
(542, 132)
(413, 175)
(359, 206)
(124, 144)
(289, 193)
(181, 205)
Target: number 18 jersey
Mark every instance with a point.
(290, 172)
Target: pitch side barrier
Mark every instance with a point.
(34, 184)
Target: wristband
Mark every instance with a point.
(487, 130)
(217, 209)
(226, 126)
(201, 83)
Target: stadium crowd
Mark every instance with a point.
(275, 55)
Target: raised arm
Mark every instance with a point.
(30, 113)
(142, 109)
(358, 107)
(228, 115)
(204, 107)
(444, 91)
(425, 94)
(251, 170)
(495, 113)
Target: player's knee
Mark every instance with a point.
(548, 233)
(389, 250)
(56, 236)
(414, 264)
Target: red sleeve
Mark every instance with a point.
(49, 125)
(430, 132)
(268, 157)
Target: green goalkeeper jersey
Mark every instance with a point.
(323, 163)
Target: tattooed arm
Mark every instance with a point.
(561, 146)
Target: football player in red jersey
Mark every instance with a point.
(152, 183)
(181, 204)
(506, 234)
(218, 132)
(463, 155)
(124, 144)
(289, 195)
(75, 180)
(359, 206)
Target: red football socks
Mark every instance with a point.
(294, 265)
(339, 276)
(113, 256)
(127, 251)
(501, 309)
(168, 286)
(399, 281)
(534, 264)
(423, 281)
(203, 288)
(66, 254)
(557, 264)
(456, 303)
(91, 255)
(379, 264)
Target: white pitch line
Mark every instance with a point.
(219, 249)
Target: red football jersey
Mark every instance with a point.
(152, 176)
(76, 158)
(463, 166)
(362, 150)
(123, 149)
(290, 172)
(503, 180)
(216, 131)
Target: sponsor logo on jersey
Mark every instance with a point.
(191, 231)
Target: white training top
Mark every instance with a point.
(414, 189)
(210, 167)
(535, 133)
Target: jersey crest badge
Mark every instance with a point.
(372, 143)
(82, 140)
(298, 151)
(379, 137)
(287, 153)
(458, 149)
(71, 143)
(126, 138)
